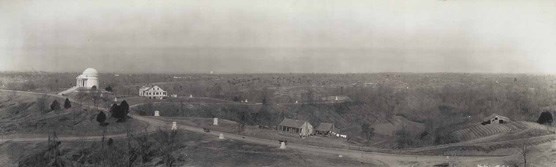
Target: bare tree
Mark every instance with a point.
(524, 151)
(168, 145)
(12, 95)
(53, 153)
(41, 103)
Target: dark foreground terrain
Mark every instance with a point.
(162, 148)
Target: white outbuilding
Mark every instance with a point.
(157, 113)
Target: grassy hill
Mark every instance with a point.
(162, 148)
(510, 130)
(22, 114)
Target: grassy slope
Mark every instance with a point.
(315, 114)
(19, 115)
(496, 132)
(193, 150)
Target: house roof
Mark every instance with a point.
(143, 88)
(292, 123)
(495, 115)
(146, 88)
(325, 127)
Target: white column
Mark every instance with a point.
(157, 113)
(174, 126)
(215, 121)
(282, 145)
(221, 136)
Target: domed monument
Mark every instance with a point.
(88, 79)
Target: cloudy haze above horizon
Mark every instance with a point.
(289, 36)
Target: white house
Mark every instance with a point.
(153, 92)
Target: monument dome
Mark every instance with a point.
(88, 78)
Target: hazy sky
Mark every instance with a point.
(237, 36)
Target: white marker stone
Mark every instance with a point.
(115, 99)
(157, 113)
(174, 126)
(221, 136)
(215, 121)
(554, 145)
(282, 145)
(340, 156)
(190, 96)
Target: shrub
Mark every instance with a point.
(108, 88)
(101, 118)
(117, 112)
(124, 107)
(545, 118)
(55, 105)
(403, 138)
(67, 104)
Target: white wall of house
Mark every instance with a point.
(154, 92)
(307, 129)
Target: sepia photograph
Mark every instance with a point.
(277, 83)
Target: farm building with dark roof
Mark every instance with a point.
(325, 129)
(303, 128)
(495, 119)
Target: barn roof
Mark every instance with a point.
(495, 115)
(325, 127)
(292, 123)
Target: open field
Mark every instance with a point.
(478, 131)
